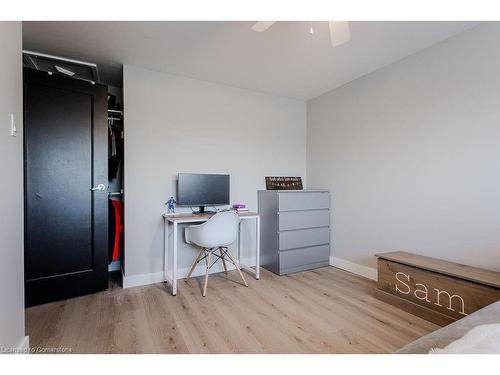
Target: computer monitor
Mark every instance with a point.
(202, 190)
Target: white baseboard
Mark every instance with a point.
(358, 269)
(24, 346)
(140, 280)
(131, 281)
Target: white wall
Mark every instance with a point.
(174, 124)
(411, 154)
(11, 193)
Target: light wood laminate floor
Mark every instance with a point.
(321, 311)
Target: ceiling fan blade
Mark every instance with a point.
(339, 32)
(262, 26)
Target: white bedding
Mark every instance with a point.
(483, 339)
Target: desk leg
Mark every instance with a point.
(165, 251)
(239, 244)
(174, 262)
(257, 252)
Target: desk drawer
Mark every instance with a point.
(303, 201)
(303, 219)
(304, 259)
(303, 238)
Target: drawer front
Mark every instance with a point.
(304, 238)
(303, 201)
(303, 219)
(305, 258)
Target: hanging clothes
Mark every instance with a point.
(116, 229)
(115, 160)
(115, 144)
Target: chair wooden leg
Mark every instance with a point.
(209, 258)
(194, 264)
(237, 266)
(223, 260)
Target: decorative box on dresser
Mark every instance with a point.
(295, 229)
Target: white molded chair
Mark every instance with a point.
(215, 235)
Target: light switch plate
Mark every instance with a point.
(13, 129)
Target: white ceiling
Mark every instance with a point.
(284, 60)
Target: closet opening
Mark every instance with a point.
(116, 196)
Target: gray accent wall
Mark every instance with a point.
(175, 124)
(411, 155)
(11, 194)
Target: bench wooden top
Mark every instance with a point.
(460, 271)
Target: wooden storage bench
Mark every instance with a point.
(434, 289)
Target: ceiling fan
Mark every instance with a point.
(340, 32)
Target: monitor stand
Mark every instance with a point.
(201, 211)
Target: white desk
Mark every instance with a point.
(170, 258)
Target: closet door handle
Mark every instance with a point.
(100, 187)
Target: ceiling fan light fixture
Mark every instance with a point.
(340, 31)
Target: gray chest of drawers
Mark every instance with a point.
(295, 229)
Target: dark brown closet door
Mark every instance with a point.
(66, 223)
